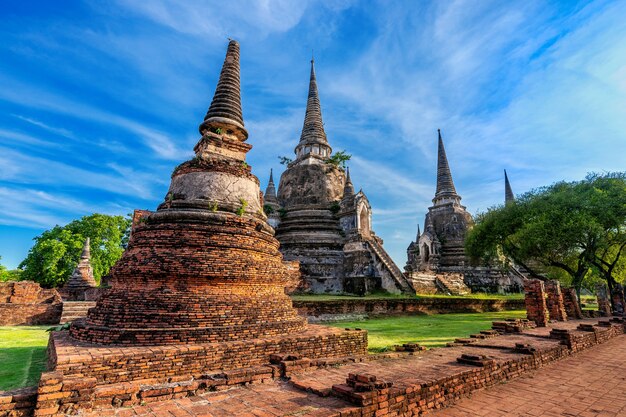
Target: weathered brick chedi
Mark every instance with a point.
(200, 288)
(323, 223)
(436, 259)
(82, 279)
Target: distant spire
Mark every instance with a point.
(225, 109)
(419, 233)
(86, 250)
(348, 188)
(509, 197)
(313, 128)
(445, 185)
(270, 191)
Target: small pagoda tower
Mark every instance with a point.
(326, 226)
(271, 205)
(205, 267)
(509, 197)
(81, 279)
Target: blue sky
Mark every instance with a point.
(100, 100)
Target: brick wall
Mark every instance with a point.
(328, 310)
(26, 303)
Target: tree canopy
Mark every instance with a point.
(9, 274)
(576, 229)
(56, 252)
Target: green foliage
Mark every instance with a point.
(268, 209)
(213, 206)
(569, 230)
(22, 355)
(56, 252)
(217, 130)
(339, 159)
(9, 275)
(284, 160)
(241, 210)
(335, 207)
(427, 330)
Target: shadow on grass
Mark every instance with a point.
(21, 366)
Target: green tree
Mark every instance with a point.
(56, 252)
(574, 227)
(9, 274)
(339, 159)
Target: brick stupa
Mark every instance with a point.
(205, 267)
(82, 278)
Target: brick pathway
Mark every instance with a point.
(592, 383)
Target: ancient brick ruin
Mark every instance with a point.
(570, 300)
(321, 222)
(555, 302)
(200, 288)
(25, 302)
(436, 260)
(535, 298)
(82, 279)
(604, 302)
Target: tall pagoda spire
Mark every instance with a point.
(445, 185)
(225, 110)
(509, 197)
(313, 128)
(270, 191)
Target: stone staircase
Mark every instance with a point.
(73, 310)
(452, 284)
(400, 279)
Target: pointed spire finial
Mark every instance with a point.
(445, 185)
(313, 127)
(348, 188)
(86, 254)
(225, 109)
(270, 191)
(419, 233)
(509, 197)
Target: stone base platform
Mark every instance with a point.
(400, 383)
(85, 375)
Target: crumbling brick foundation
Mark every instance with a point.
(26, 303)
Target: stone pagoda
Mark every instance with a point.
(436, 259)
(205, 267)
(324, 224)
(81, 279)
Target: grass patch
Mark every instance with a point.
(22, 355)
(430, 331)
(385, 296)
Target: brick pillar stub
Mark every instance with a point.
(570, 300)
(602, 295)
(535, 300)
(556, 306)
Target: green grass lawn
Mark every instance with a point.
(430, 331)
(22, 355)
(329, 297)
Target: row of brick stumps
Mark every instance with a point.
(535, 300)
(572, 307)
(555, 302)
